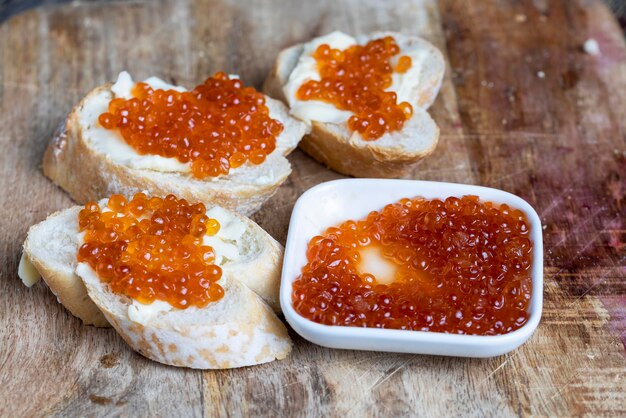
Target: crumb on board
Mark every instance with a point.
(100, 400)
(541, 74)
(109, 360)
(591, 47)
(520, 18)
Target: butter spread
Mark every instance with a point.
(111, 143)
(403, 84)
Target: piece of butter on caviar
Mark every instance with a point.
(374, 263)
(223, 250)
(224, 242)
(231, 228)
(27, 272)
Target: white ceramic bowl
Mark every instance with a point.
(331, 203)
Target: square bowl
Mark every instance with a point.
(331, 203)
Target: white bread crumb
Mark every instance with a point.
(591, 47)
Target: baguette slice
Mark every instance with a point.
(51, 247)
(238, 330)
(395, 153)
(87, 173)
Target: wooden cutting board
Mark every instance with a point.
(523, 108)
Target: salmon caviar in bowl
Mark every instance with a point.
(358, 79)
(457, 265)
(216, 127)
(411, 266)
(152, 249)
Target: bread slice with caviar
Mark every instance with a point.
(89, 161)
(238, 329)
(51, 247)
(331, 141)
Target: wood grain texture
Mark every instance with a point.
(522, 108)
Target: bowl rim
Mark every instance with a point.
(302, 324)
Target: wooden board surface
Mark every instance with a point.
(522, 108)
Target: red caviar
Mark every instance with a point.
(462, 267)
(151, 248)
(217, 126)
(355, 80)
(404, 63)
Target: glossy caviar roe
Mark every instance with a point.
(463, 267)
(151, 248)
(404, 63)
(217, 126)
(355, 80)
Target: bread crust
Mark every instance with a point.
(66, 286)
(72, 294)
(332, 147)
(337, 153)
(88, 175)
(267, 265)
(257, 336)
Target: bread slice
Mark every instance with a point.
(395, 153)
(51, 247)
(238, 330)
(87, 173)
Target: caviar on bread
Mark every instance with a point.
(220, 142)
(183, 283)
(365, 99)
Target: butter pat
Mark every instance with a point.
(224, 243)
(140, 313)
(158, 84)
(223, 250)
(27, 272)
(231, 228)
(123, 86)
(372, 262)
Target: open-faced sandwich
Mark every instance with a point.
(184, 284)
(365, 98)
(220, 142)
